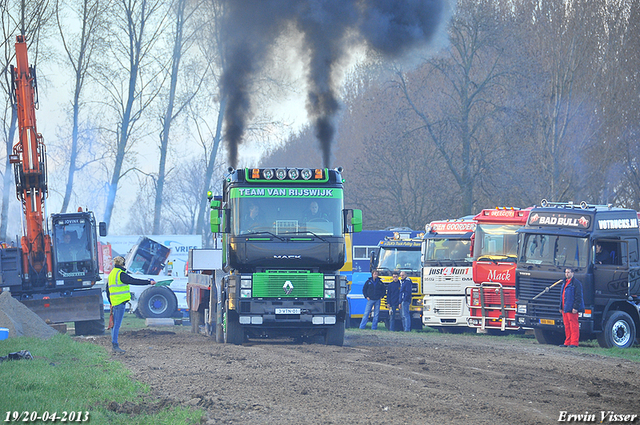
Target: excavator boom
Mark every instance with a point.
(29, 161)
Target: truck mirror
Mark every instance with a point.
(373, 260)
(103, 228)
(214, 220)
(356, 221)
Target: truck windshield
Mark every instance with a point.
(553, 250)
(72, 243)
(282, 215)
(496, 240)
(399, 259)
(448, 250)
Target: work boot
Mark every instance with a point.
(117, 349)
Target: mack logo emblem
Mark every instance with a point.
(288, 257)
(288, 287)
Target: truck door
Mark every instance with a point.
(610, 276)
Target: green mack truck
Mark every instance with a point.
(283, 246)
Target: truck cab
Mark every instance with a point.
(600, 244)
(400, 254)
(283, 248)
(447, 259)
(492, 298)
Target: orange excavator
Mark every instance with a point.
(53, 272)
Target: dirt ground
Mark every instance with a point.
(378, 377)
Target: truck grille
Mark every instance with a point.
(302, 284)
(446, 285)
(449, 307)
(547, 303)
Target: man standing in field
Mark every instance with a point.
(405, 300)
(571, 303)
(118, 295)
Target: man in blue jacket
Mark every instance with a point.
(393, 299)
(571, 303)
(405, 300)
(373, 290)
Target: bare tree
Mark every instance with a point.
(29, 18)
(80, 50)
(471, 74)
(181, 43)
(137, 25)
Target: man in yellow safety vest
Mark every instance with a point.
(118, 295)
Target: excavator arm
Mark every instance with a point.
(29, 161)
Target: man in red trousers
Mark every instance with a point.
(571, 303)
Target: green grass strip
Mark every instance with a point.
(67, 375)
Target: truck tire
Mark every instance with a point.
(548, 337)
(416, 324)
(91, 327)
(348, 321)
(619, 331)
(196, 318)
(335, 334)
(233, 333)
(157, 302)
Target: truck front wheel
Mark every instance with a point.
(548, 337)
(233, 333)
(335, 334)
(619, 331)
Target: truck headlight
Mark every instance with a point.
(522, 309)
(245, 284)
(245, 293)
(329, 293)
(330, 284)
(475, 297)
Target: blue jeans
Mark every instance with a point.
(406, 316)
(118, 314)
(392, 316)
(375, 304)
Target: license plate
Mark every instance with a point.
(287, 311)
(547, 322)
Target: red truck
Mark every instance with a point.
(492, 299)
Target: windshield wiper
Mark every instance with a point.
(307, 232)
(263, 232)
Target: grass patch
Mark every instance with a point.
(67, 375)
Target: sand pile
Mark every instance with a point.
(20, 320)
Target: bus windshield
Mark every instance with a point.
(448, 250)
(496, 240)
(554, 250)
(287, 215)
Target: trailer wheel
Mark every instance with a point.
(157, 302)
(91, 327)
(335, 334)
(619, 331)
(548, 337)
(233, 333)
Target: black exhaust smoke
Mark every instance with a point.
(330, 28)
